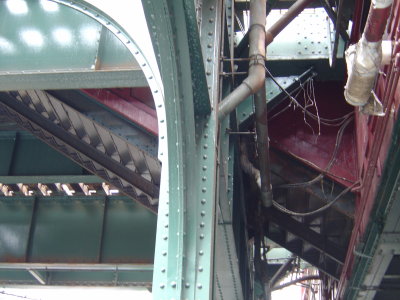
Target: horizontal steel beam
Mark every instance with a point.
(50, 179)
(80, 267)
(306, 234)
(72, 80)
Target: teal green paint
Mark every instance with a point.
(15, 216)
(137, 243)
(67, 229)
(7, 146)
(383, 201)
(63, 49)
(74, 277)
(61, 40)
(33, 157)
(183, 256)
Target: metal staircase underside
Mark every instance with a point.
(319, 239)
(131, 170)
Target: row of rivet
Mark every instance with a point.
(155, 85)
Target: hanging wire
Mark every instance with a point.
(339, 137)
(317, 211)
(17, 296)
(328, 122)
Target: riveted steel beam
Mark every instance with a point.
(186, 223)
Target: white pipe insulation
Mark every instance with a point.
(364, 59)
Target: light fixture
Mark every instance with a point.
(6, 47)
(17, 7)
(32, 37)
(62, 36)
(49, 6)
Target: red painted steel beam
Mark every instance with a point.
(373, 140)
(122, 102)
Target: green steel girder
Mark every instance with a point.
(73, 235)
(53, 54)
(22, 154)
(79, 229)
(186, 222)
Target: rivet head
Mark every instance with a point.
(203, 213)
(204, 189)
(205, 146)
(200, 269)
(204, 178)
(173, 284)
(187, 285)
(199, 286)
(209, 59)
(203, 201)
(204, 168)
(165, 238)
(162, 285)
(202, 224)
(163, 270)
(201, 252)
(211, 20)
(204, 156)
(201, 236)
(164, 253)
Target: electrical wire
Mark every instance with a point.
(328, 122)
(339, 137)
(317, 211)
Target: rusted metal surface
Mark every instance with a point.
(373, 140)
(296, 134)
(126, 103)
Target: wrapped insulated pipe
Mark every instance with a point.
(364, 58)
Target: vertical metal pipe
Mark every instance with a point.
(258, 39)
(260, 102)
(256, 77)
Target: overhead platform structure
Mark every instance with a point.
(156, 144)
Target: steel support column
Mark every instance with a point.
(184, 255)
